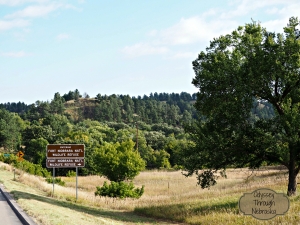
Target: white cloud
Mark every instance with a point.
(152, 33)
(34, 11)
(273, 10)
(81, 1)
(6, 25)
(20, 2)
(141, 49)
(185, 32)
(195, 29)
(211, 24)
(185, 55)
(283, 14)
(16, 54)
(62, 36)
(244, 7)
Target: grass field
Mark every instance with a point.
(169, 198)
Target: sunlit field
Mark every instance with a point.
(171, 196)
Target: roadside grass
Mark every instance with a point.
(35, 196)
(219, 204)
(169, 196)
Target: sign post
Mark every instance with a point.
(65, 156)
(53, 181)
(76, 183)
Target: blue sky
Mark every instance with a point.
(130, 47)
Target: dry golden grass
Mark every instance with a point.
(161, 187)
(172, 196)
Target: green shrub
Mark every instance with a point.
(11, 159)
(178, 167)
(118, 161)
(71, 173)
(34, 169)
(119, 190)
(57, 180)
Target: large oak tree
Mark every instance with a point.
(249, 65)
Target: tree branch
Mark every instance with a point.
(287, 90)
(276, 89)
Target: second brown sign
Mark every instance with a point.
(64, 163)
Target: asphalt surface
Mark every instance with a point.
(10, 212)
(7, 215)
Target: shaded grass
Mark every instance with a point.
(121, 216)
(180, 212)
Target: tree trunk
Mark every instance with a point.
(292, 185)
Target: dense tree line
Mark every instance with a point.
(153, 123)
(19, 107)
(173, 109)
(102, 124)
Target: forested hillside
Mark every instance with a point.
(154, 123)
(173, 109)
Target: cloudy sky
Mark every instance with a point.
(130, 47)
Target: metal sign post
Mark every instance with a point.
(53, 180)
(76, 183)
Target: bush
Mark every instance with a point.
(119, 161)
(57, 180)
(34, 169)
(119, 190)
(71, 173)
(178, 167)
(11, 159)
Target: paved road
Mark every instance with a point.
(7, 215)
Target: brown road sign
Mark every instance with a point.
(65, 151)
(64, 163)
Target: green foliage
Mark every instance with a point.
(35, 150)
(119, 190)
(155, 139)
(19, 107)
(57, 104)
(167, 129)
(161, 159)
(119, 161)
(71, 173)
(11, 159)
(57, 180)
(34, 169)
(10, 130)
(175, 148)
(178, 167)
(60, 124)
(237, 71)
(36, 131)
